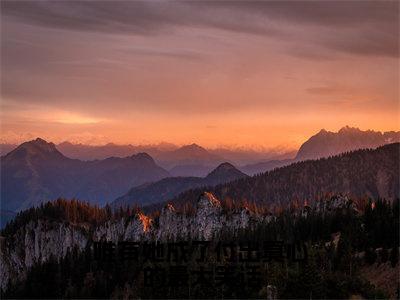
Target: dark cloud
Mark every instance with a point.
(103, 16)
(323, 13)
(147, 16)
(370, 42)
(135, 17)
(360, 27)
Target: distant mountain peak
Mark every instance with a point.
(326, 143)
(40, 140)
(36, 148)
(66, 143)
(322, 131)
(41, 143)
(348, 129)
(225, 167)
(142, 156)
(191, 154)
(344, 130)
(193, 146)
(225, 170)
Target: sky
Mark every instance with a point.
(258, 74)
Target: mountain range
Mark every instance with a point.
(327, 143)
(361, 173)
(194, 160)
(36, 171)
(169, 155)
(168, 188)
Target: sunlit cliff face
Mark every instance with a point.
(146, 221)
(255, 74)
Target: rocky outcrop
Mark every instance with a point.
(208, 219)
(38, 241)
(325, 206)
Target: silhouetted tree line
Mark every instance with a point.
(71, 211)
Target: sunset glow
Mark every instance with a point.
(192, 149)
(183, 72)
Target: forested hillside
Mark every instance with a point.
(362, 173)
(340, 243)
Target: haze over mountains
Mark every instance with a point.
(194, 160)
(37, 171)
(188, 160)
(168, 153)
(163, 152)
